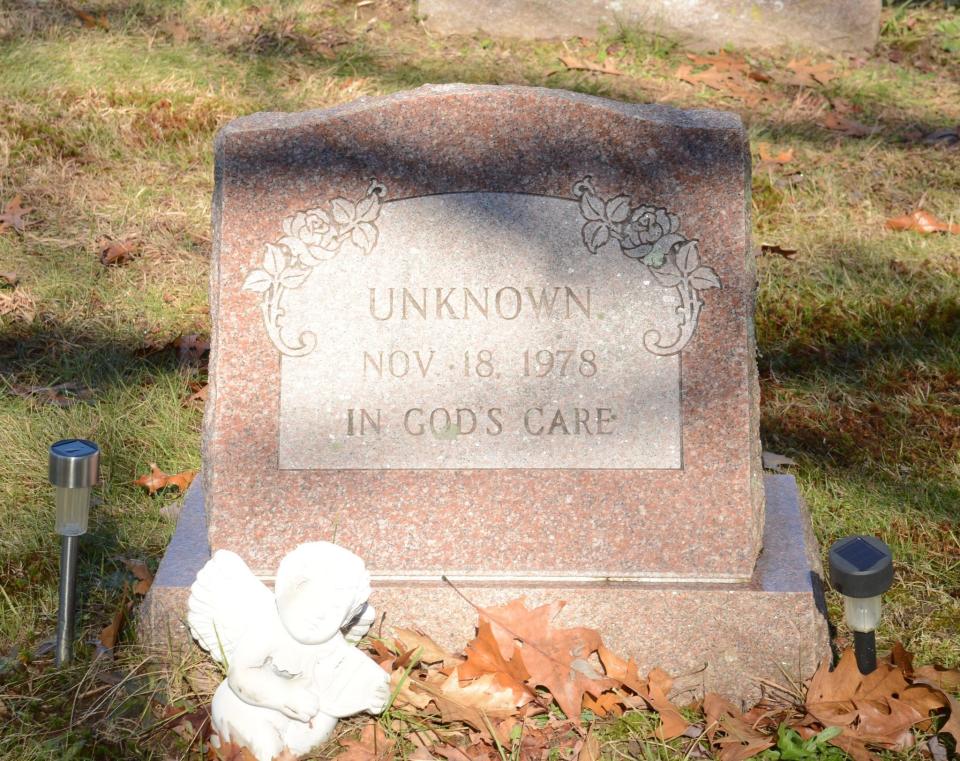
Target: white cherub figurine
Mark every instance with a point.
(292, 670)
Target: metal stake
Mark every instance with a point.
(66, 616)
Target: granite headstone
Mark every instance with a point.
(502, 338)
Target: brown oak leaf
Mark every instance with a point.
(373, 745)
(922, 222)
(12, 216)
(144, 578)
(156, 480)
(114, 253)
(557, 659)
(484, 657)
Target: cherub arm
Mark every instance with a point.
(255, 679)
(352, 683)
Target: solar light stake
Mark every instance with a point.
(861, 569)
(74, 467)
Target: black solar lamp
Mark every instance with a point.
(74, 470)
(861, 569)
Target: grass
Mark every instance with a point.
(108, 132)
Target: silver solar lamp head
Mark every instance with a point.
(74, 471)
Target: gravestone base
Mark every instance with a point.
(723, 638)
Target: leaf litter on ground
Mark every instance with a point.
(524, 686)
(13, 216)
(922, 221)
(116, 252)
(156, 480)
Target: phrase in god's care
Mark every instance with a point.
(483, 364)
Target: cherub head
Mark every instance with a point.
(320, 587)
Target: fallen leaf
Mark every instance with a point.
(157, 480)
(776, 462)
(672, 723)
(230, 752)
(556, 659)
(199, 396)
(476, 703)
(726, 729)
(572, 63)
(786, 253)
(144, 578)
(373, 745)
(591, 748)
(116, 252)
(12, 216)
(880, 709)
(727, 80)
(941, 678)
(191, 349)
(428, 651)
(921, 222)
(111, 633)
(90, 21)
(19, 304)
(484, 657)
(609, 703)
(177, 31)
(723, 61)
(62, 395)
(784, 157)
(850, 127)
(10, 278)
(624, 671)
(404, 694)
(952, 725)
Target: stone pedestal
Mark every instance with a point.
(715, 637)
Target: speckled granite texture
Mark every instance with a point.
(835, 25)
(703, 522)
(720, 637)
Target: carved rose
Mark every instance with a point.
(648, 225)
(312, 227)
(310, 236)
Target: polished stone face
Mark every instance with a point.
(480, 332)
(486, 332)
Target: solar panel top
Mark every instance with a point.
(860, 554)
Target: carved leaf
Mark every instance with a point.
(297, 247)
(668, 279)
(369, 208)
(595, 234)
(618, 209)
(688, 257)
(704, 278)
(275, 261)
(364, 236)
(591, 207)
(343, 211)
(258, 281)
(293, 277)
(674, 222)
(669, 274)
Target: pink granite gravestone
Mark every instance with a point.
(501, 339)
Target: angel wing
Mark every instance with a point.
(224, 601)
